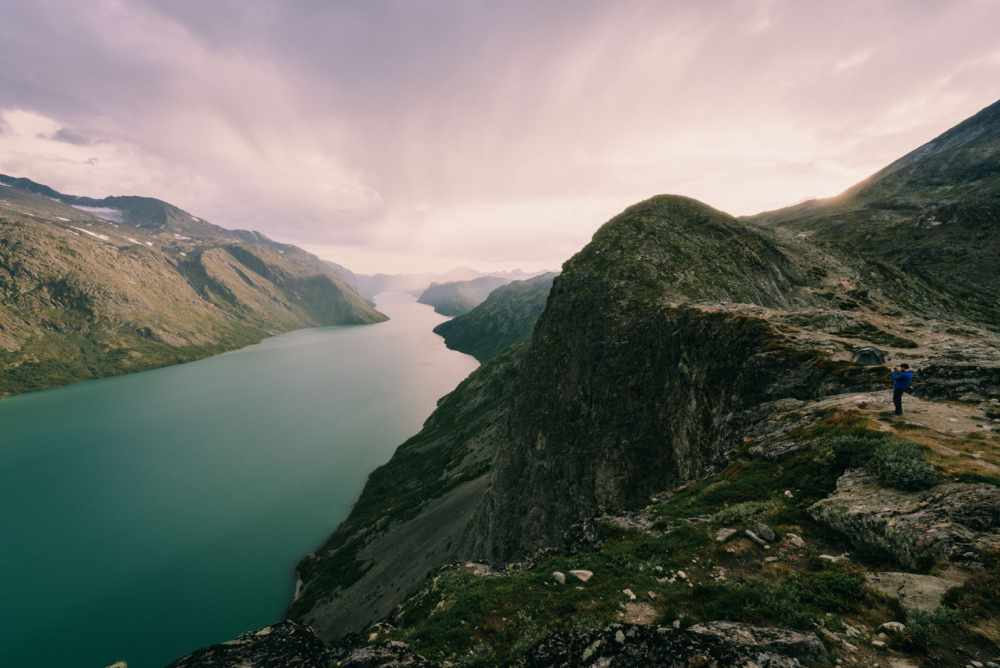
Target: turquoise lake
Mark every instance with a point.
(145, 516)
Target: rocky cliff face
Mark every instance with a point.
(623, 394)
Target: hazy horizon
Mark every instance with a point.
(418, 136)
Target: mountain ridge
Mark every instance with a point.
(84, 297)
(506, 317)
(460, 297)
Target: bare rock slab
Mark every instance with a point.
(951, 521)
(780, 641)
(637, 646)
(915, 592)
(392, 654)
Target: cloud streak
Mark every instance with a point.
(413, 134)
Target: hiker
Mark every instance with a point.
(901, 379)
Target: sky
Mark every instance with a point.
(421, 135)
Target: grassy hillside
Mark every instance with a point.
(506, 317)
(86, 297)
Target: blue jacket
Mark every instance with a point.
(903, 380)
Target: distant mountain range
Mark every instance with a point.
(460, 297)
(99, 287)
(416, 284)
(506, 317)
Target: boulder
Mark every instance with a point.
(915, 592)
(283, 645)
(765, 532)
(951, 521)
(582, 575)
(559, 577)
(634, 646)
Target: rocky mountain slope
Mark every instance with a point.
(684, 467)
(507, 316)
(129, 283)
(412, 512)
(934, 213)
(643, 377)
(460, 297)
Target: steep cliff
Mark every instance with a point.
(624, 394)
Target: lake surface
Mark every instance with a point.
(145, 516)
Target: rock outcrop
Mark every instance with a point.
(631, 646)
(914, 591)
(805, 646)
(283, 645)
(386, 655)
(949, 521)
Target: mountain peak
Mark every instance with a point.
(967, 153)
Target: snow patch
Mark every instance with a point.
(63, 219)
(184, 254)
(149, 243)
(93, 234)
(113, 215)
(182, 238)
(135, 241)
(7, 185)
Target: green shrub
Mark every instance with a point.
(845, 452)
(993, 413)
(794, 603)
(924, 628)
(979, 596)
(831, 590)
(900, 464)
(746, 512)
